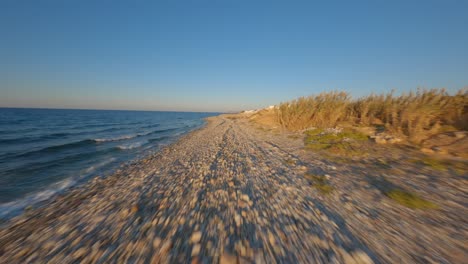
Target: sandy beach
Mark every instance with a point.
(232, 193)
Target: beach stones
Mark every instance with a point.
(225, 194)
(196, 249)
(196, 237)
(227, 259)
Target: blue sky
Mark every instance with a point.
(224, 55)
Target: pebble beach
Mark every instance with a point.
(230, 193)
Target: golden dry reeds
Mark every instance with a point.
(416, 115)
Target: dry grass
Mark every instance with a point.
(416, 115)
(265, 117)
(323, 110)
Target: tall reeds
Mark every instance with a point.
(416, 115)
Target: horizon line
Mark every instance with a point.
(133, 110)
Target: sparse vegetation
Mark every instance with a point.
(434, 163)
(459, 167)
(290, 162)
(416, 115)
(320, 182)
(382, 164)
(345, 142)
(410, 200)
(294, 136)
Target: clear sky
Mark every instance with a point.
(224, 55)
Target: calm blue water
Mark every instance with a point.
(45, 151)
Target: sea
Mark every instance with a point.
(44, 152)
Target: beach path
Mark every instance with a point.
(226, 193)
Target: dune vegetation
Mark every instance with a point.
(415, 115)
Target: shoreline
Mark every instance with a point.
(17, 208)
(229, 191)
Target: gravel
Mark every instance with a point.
(224, 194)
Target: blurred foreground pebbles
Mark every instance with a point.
(224, 194)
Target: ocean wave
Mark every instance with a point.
(64, 134)
(14, 207)
(151, 126)
(37, 138)
(81, 143)
(50, 150)
(132, 146)
(161, 131)
(151, 140)
(55, 148)
(27, 139)
(126, 137)
(95, 125)
(99, 165)
(57, 135)
(99, 140)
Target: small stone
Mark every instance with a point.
(245, 197)
(79, 253)
(259, 258)
(237, 219)
(124, 213)
(196, 250)
(62, 230)
(427, 150)
(271, 238)
(440, 150)
(166, 246)
(347, 258)
(394, 140)
(362, 258)
(196, 237)
(242, 250)
(380, 140)
(243, 204)
(156, 242)
(134, 209)
(459, 134)
(227, 259)
(23, 252)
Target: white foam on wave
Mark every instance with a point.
(132, 146)
(15, 206)
(99, 165)
(9, 207)
(115, 138)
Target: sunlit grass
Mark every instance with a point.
(345, 142)
(416, 115)
(410, 200)
(458, 166)
(320, 182)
